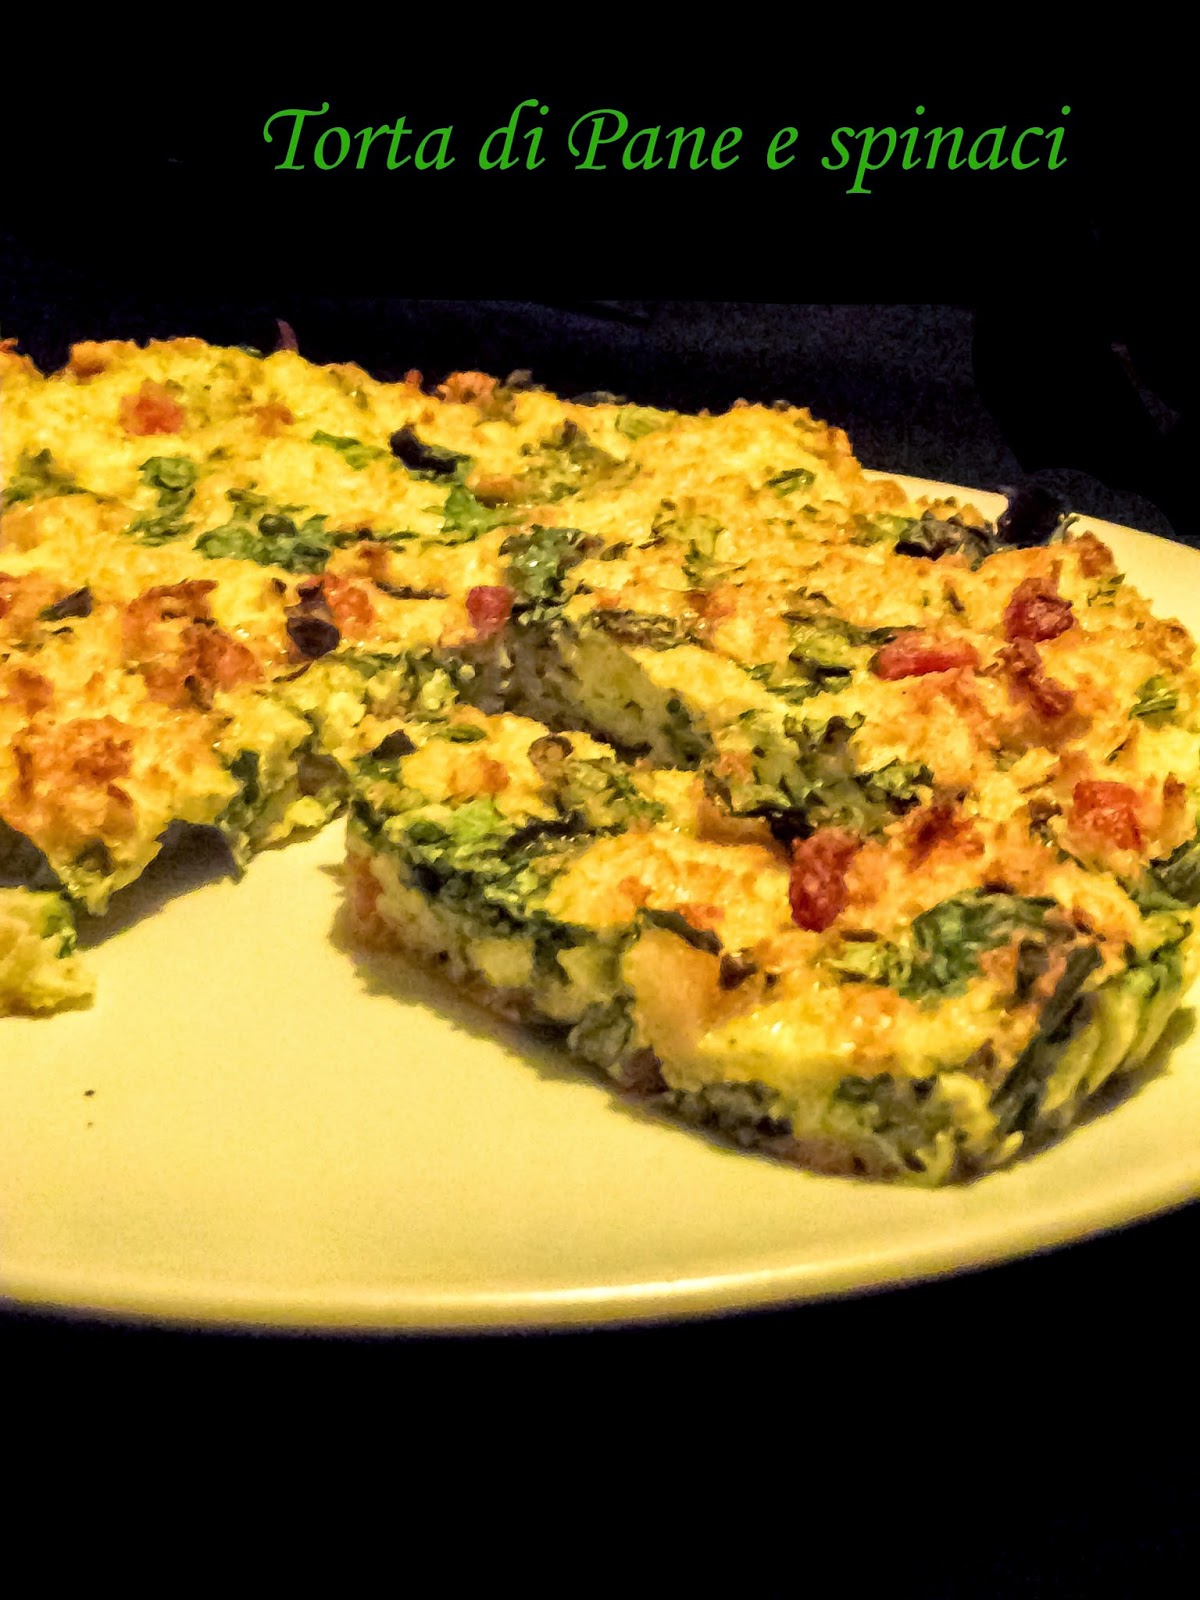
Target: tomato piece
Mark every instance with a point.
(153, 409)
(220, 660)
(1095, 558)
(489, 607)
(1037, 611)
(817, 889)
(1108, 810)
(467, 388)
(1028, 680)
(937, 825)
(913, 655)
(349, 603)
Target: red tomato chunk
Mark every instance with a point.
(153, 409)
(817, 887)
(1110, 811)
(1037, 611)
(913, 655)
(489, 607)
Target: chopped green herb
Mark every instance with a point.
(785, 483)
(37, 477)
(634, 422)
(277, 539)
(353, 451)
(639, 630)
(1106, 590)
(1171, 884)
(1155, 698)
(465, 517)
(569, 462)
(603, 1033)
(942, 953)
(174, 477)
(538, 562)
(675, 922)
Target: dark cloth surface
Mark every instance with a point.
(1027, 1430)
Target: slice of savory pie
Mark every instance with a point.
(971, 991)
(39, 970)
(860, 830)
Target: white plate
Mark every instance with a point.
(253, 1126)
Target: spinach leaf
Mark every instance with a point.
(932, 537)
(831, 625)
(275, 540)
(822, 644)
(906, 1115)
(37, 477)
(895, 784)
(603, 1033)
(868, 961)
(169, 474)
(785, 483)
(1018, 1099)
(744, 1112)
(803, 775)
(674, 922)
(597, 791)
(927, 535)
(880, 527)
(634, 422)
(1155, 698)
(942, 953)
(601, 793)
(353, 451)
(174, 477)
(464, 517)
(1173, 883)
(238, 817)
(949, 939)
(791, 762)
(467, 860)
(641, 631)
(698, 532)
(793, 691)
(569, 462)
(538, 562)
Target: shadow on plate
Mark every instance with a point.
(386, 972)
(190, 857)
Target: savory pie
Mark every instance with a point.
(858, 830)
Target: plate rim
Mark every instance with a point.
(164, 1302)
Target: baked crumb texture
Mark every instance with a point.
(858, 831)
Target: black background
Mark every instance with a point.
(1011, 1432)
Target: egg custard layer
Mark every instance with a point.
(857, 830)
